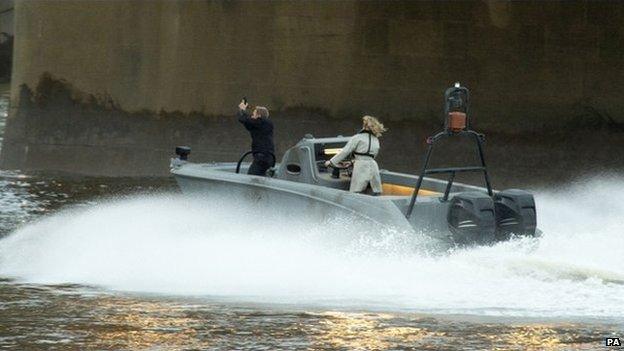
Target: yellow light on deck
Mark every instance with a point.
(333, 151)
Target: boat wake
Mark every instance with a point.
(230, 249)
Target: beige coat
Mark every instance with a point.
(365, 168)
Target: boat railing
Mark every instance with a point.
(457, 122)
(242, 158)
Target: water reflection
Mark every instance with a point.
(142, 325)
(365, 331)
(4, 108)
(71, 317)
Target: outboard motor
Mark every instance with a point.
(515, 213)
(471, 218)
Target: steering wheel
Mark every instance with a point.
(344, 165)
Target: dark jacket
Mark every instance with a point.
(261, 130)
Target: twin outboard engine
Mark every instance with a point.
(515, 213)
(471, 218)
(475, 217)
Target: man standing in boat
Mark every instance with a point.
(261, 130)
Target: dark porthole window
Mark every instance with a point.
(293, 168)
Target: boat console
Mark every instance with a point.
(305, 162)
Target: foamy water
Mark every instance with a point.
(228, 248)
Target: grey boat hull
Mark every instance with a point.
(318, 202)
(315, 201)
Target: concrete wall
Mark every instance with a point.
(525, 60)
(6, 16)
(6, 40)
(531, 66)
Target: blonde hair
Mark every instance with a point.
(373, 125)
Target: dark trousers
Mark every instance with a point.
(260, 165)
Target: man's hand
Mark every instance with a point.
(327, 163)
(243, 105)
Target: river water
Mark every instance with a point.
(131, 264)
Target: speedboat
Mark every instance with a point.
(453, 212)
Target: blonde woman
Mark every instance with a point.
(364, 146)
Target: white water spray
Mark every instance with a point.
(228, 248)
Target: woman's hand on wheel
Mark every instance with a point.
(327, 163)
